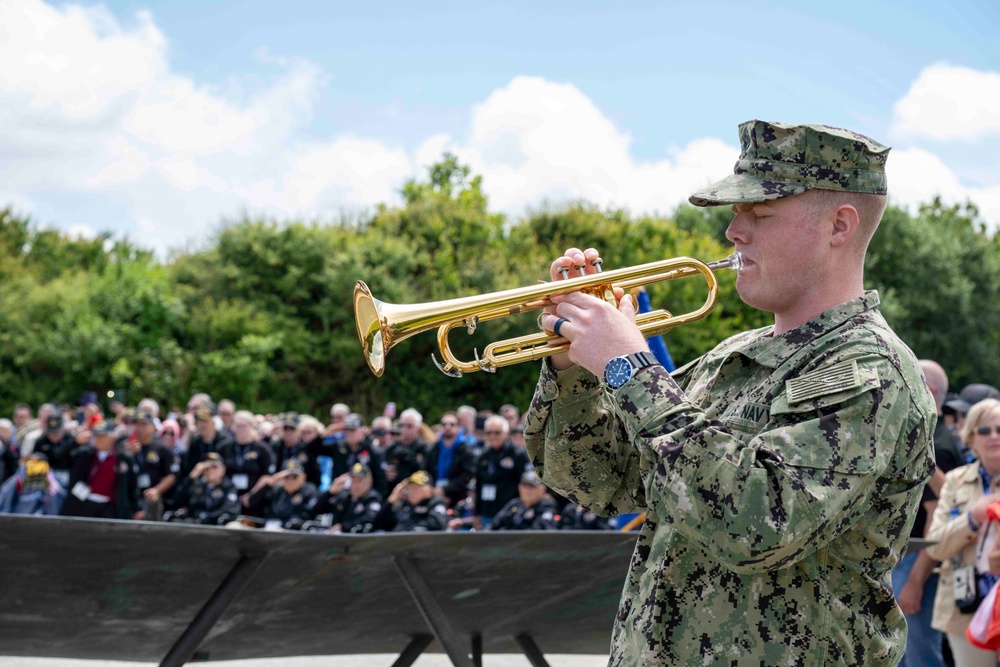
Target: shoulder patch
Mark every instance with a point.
(823, 381)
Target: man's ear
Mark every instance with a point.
(844, 223)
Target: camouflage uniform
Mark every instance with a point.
(780, 475)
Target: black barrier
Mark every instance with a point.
(93, 589)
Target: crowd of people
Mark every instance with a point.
(941, 586)
(216, 465)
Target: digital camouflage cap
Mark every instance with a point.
(779, 160)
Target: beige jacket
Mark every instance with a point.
(962, 488)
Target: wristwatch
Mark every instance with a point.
(620, 370)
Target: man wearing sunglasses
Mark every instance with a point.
(780, 473)
(450, 462)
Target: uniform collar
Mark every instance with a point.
(772, 351)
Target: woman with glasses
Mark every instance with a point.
(959, 519)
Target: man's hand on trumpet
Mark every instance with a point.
(597, 331)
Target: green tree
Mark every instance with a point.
(938, 274)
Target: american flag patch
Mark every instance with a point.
(829, 380)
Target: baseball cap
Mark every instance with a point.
(974, 393)
(782, 159)
(289, 419)
(143, 416)
(203, 414)
(360, 470)
(54, 423)
(215, 457)
(420, 477)
(36, 473)
(103, 427)
(294, 467)
(529, 477)
(954, 402)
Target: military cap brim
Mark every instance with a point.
(745, 189)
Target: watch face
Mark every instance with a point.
(617, 372)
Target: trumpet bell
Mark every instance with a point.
(368, 321)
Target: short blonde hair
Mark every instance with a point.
(980, 413)
(309, 420)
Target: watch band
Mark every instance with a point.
(640, 360)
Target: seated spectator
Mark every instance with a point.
(413, 507)
(287, 444)
(22, 420)
(499, 471)
(408, 453)
(574, 517)
(32, 490)
(170, 435)
(338, 415)
(247, 460)
(29, 434)
(206, 495)
(57, 445)
(381, 433)
(157, 469)
(531, 510)
(356, 447)
(227, 412)
(467, 429)
(511, 414)
(352, 504)
(102, 481)
(207, 438)
(451, 462)
(286, 497)
(311, 435)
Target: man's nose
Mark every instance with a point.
(737, 230)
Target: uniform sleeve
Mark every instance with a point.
(764, 500)
(579, 447)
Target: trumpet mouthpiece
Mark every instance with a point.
(734, 262)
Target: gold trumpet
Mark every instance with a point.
(381, 325)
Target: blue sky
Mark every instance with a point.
(159, 119)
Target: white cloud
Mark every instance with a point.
(535, 140)
(90, 106)
(948, 103)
